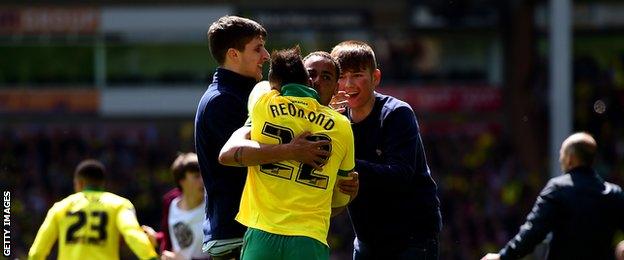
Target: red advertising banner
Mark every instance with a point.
(449, 127)
(49, 101)
(448, 99)
(40, 20)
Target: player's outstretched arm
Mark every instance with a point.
(46, 236)
(132, 233)
(154, 237)
(239, 150)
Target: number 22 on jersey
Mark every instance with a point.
(306, 174)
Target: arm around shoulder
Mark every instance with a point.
(240, 151)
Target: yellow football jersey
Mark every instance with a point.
(88, 225)
(291, 198)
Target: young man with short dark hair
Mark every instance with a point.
(396, 214)
(88, 223)
(324, 71)
(237, 44)
(183, 212)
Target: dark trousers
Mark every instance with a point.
(419, 249)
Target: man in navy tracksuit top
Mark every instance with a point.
(237, 44)
(397, 212)
(580, 210)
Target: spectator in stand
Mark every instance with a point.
(183, 212)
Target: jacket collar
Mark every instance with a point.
(231, 79)
(582, 170)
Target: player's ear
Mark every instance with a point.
(232, 54)
(376, 77)
(78, 184)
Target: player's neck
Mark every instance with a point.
(360, 113)
(190, 201)
(231, 67)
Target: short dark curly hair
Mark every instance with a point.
(287, 67)
(91, 171)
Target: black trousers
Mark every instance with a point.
(418, 249)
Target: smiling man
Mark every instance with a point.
(324, 72)
(396, 214)
(237, 44)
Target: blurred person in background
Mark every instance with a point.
(579, 208)
(397, 212)
(183, 213)
(88, 223)
(237, 44)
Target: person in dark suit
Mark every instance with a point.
(579, 208)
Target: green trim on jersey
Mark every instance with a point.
(89, 225)
(298, 90)
(290, 185)
(92, 188)
(344, 173)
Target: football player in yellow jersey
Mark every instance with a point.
(287, 205)
(88, 223)
(324, 71)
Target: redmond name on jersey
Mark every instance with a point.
(289, 109)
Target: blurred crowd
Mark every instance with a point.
(485, 190)
(39, 160)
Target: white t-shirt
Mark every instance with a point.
(185, 229)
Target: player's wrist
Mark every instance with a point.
(284, 152)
